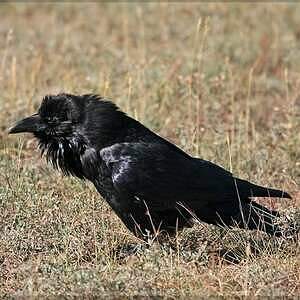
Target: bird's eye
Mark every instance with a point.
(64, 118)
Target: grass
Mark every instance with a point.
(220, 80)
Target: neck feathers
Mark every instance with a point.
(71, 156)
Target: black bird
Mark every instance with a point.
(151, 184)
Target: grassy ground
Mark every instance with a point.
(221, 81)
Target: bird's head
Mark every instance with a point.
(57, 126)
(58, 117)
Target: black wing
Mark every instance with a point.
(161, 176)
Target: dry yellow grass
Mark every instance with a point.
(220, 80)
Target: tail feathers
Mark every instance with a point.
(252, 190)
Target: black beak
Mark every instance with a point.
(30, 124)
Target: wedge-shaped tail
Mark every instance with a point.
(248, 189)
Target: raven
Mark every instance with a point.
(151, 184)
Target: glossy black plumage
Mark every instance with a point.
(150, 183)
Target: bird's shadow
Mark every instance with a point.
(124, 252)
(232, 247)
